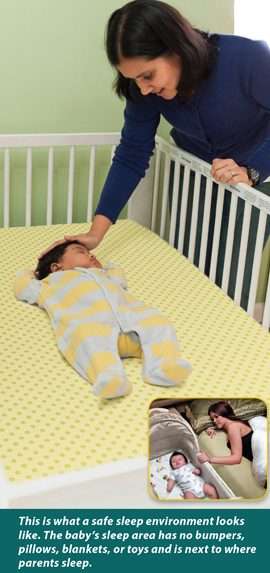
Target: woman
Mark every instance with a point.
(214, 91)
(239, 435)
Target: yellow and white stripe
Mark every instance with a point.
(96, 321)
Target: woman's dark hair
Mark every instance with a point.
(177, 454)
(53, 256)
(224, 409)
(151, 29)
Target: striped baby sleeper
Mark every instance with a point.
(96, 322)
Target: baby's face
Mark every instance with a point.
(78, 256)
(178, 461)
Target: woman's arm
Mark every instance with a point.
(234, 435)
(130, 162)
(131, 159)
(257, 87)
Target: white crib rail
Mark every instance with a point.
(52, 141)
(251, 196)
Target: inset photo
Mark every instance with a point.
(208, 448)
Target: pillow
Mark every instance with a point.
(244, 408)
(259, 449)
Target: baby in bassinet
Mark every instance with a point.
(96, 321)
(188, 478)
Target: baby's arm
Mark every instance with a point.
(26, 287)
(117, 274)
(170, 484)
(196, 471)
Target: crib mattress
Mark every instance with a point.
(50, 422)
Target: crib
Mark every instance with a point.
(62, 447)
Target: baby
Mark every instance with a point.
(187, 477)
(96, 321)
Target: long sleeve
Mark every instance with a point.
(228, 116)
(117, 274)
(131, 158)
(26, 287)
(259, 85)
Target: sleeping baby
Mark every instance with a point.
(188, 478)
(96, 321)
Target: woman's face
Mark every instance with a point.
(219, 421)
(160, 76)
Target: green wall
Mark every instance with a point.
(55, 78)
(53, 68)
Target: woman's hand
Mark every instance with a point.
(227, 171)
(202, 457)
(210, 432)
(90, 240)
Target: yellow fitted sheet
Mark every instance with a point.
(50, 422)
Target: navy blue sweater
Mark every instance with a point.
(228, 117)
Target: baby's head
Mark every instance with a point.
(177, 460)
(66, 257)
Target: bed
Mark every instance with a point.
(61, 446)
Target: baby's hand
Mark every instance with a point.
(196, 471)
(210, 432)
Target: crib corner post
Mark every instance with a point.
(140, 203)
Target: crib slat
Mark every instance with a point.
(256, 263)
(229, 244)
(242, 254)
(91, 184)
(205, 226)
(194, 218)
(50, 186)
(266, 314)
(183, 215)
(6, 186)
(165, 196)
(155, 191)
(28, 187)
(71, 184)
(174, 202)
(216, 237)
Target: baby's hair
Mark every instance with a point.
(53, 256)
(177, 454)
